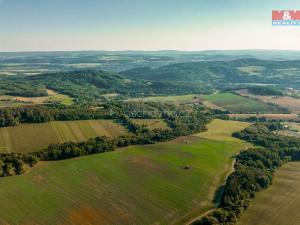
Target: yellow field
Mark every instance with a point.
(34, 137)
(221, 130)
(278, 205)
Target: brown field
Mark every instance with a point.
(286, 117)
(293, 104)
(279, 204)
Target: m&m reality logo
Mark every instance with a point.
(286, 17)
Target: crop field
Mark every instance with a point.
(174, 99)
(238, 104)
(152, 123)
(134, 185)
(221, 130)
(14, 101)
(279, 204)
(33, 137)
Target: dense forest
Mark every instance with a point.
(254, 170)
(89, 86)
(41, 114)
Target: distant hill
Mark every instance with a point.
(92, 84)
(218, 72)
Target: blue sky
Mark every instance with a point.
(31, 25)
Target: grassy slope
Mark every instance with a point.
(278, 205)
(136, 185)
(237, 104)
(33, 137)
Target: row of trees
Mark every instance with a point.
(116, 110)
(254, 170)
(42, 114)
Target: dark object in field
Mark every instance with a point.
(187, 167)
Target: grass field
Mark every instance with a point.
(238, 104)
(174, 99)
(279, 204)
(221, 130)
(33, 137)
(135, 185)
(152, 123)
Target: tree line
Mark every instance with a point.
(254, 170)
(42, 114)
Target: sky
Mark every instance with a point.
(190, 25)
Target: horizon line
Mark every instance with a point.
(161, 50)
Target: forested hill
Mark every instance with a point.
(215, 72)
(92, 84)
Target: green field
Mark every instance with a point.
(152, 123)
(238, 104)
(279, 204)
(134, 185)
(34, 137)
